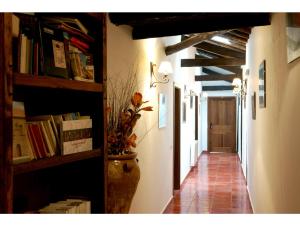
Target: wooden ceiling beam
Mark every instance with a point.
(216, 77)
(207, 55)
(217, 88)
(192, 41)
(233, 46)
(149, 25)
(237, 33)
(221, 51)
(212, 62)
(245, 30)
(231, 69)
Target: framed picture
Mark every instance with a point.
(293, 36)
(262, 85)
(253, 100)
(162, 110)
(245, 89)
(183, 112)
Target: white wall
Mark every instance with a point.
(274, 137)
(204, 114)
(155, 146)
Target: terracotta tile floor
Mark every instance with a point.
(215, 185)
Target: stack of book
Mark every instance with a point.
(44, 136)
(77, 45)
(69, 206)
(53, 46)
(26, 44)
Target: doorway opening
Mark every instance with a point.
(176, 139)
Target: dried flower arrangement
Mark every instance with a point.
(124, 110)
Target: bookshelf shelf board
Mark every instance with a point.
(54, 161)
(52, 82)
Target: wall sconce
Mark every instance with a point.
(240, 88)
(164, 69)
(189, 94)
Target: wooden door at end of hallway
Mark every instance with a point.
(221, 124)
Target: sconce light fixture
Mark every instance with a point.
(189, 93)
(239, 87)
(162, 77)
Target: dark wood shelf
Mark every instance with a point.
(53, 82)
(54, 161)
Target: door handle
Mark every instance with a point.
(210, 125)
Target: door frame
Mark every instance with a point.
(176, 136)
(208, 119)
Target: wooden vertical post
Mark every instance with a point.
(6, 176)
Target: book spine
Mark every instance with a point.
(76, 32)
(39, 140)
(42, 59)
(32, 145)
(75, 41)
(36, 59)
(45, 150)
(23, 49)
(33, 141)
(46, 138)
(51, 135)
(28, 52)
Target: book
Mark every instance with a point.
(47, 138)
(32, 141)
(21, 146)
(23, 53)
(81, 65)
(15, 26)
(53, 52)
(71, 21)
(76, 136)
(36, 135)
(51, 126)
(69, 206)
(75, 32)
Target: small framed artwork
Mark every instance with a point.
(262, 85)
(253, 101)
(245, 90)
(162, 111)
(183, 112)
(293, 36)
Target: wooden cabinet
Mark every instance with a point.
(26, 187)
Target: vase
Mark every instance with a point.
(123, 178)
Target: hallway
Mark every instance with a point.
(215, 185)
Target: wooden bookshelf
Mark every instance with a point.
(52, 82)
(28, 186)
(54, 161)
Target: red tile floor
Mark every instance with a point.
(215, 185)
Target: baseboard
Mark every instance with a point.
(250, 200)
(164, 208)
